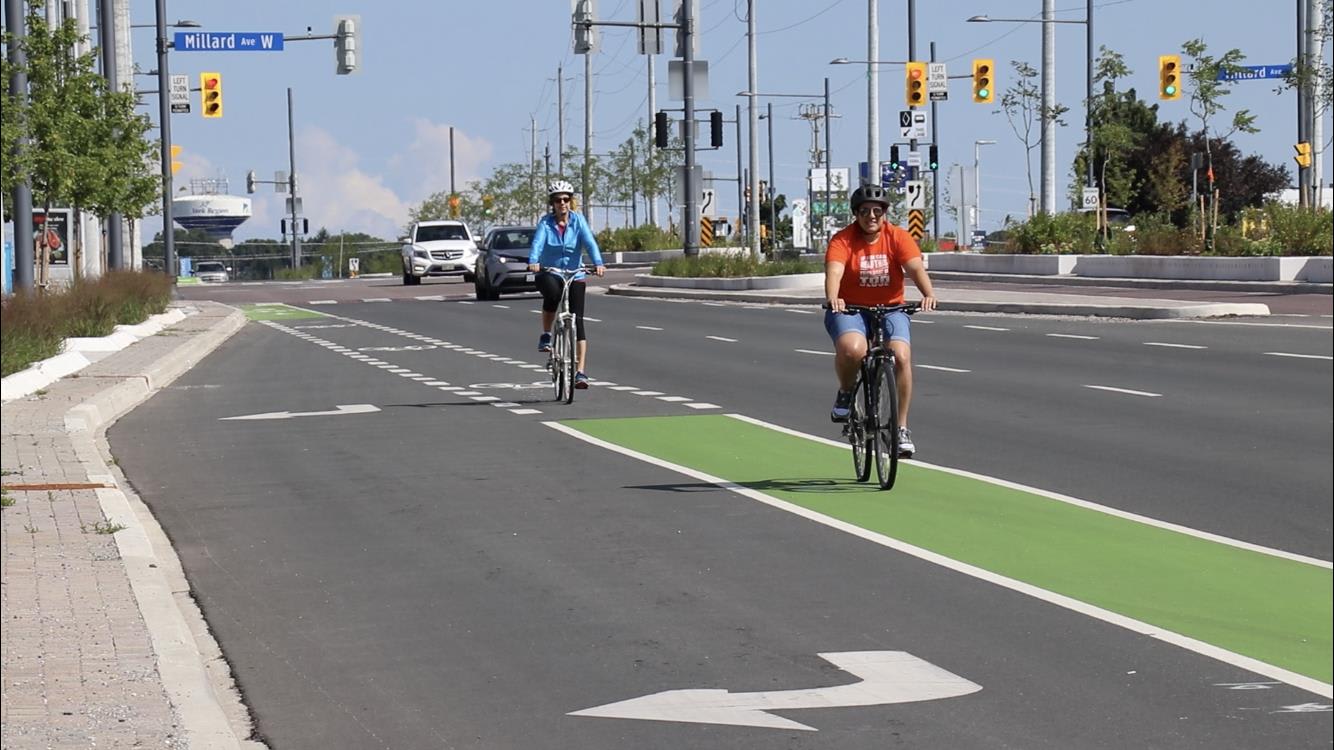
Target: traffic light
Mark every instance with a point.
(211, 86)
(660, 129)
(250, 181)
(984, 86)
(716, 128)
(175, 152)
(454, 205)
(1303, 156)
(894, 162)
(1169, 74)
(486, 205)
(932, 158)
(346, 37)
(585, 36)
(914, 80)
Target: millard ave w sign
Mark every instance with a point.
(228, 41)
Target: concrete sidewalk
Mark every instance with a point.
(807, 291)
(102, 644)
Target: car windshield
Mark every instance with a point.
(209, 268)
(512, 239)
(441, 232)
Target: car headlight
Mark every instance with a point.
(421, 254)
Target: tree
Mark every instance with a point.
(1206, 97)
(1022, 104)
(87, 147)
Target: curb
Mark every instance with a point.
(1267, 287)
(194, 675)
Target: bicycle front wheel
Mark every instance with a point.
(886, 423)
(571, 362)
(856, 432)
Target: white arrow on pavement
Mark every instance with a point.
(887, 677)
(342, 409)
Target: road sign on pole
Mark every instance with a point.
(937, 82)
(180, 95)
(916, 192)
(228, 41)
(1090, 198)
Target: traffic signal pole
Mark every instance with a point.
(164, 127)
(291, 163)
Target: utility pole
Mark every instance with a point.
(1048, 204)
(291, 163)
(560, 120)
(752, 209)
(690, 215)
(873, 91)
(649, 197)
(106, 31)
(164, 130)
(935, 176)
(588, 133)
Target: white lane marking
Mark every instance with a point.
(886, 677)
(1072, 336)
(674, 399)
(623, 387)
(812, 351)
(483, 398)
(941, 368)
(648, 328)
(986, 328)
(1300, 356)
(376, 299)
(525, 411)
(714, 304)
(1153, 631)
(592, 320)
(721, 338)
(1249, 323)
(703, 405)
(431, 298)
(505, 404)
(436, 382)
(502, 307)
(468, 393)
(337, 411)
(648, 393)
(801, 312)
(322, 302)
(1123, 390)
(1174, 346)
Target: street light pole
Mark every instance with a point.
(977, 181)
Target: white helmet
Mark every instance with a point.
(559, 187)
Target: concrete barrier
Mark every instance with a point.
(1175, 267)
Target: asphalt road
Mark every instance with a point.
(450, 572)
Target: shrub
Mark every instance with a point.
(731, 265)
(1300, 231)
(645, 237)
(35, 325)
(1050, 234)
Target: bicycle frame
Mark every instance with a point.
(873, 424)
(564, 359)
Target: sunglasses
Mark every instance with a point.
(561, 199)
(870, 211)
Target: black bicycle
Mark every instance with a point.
(873, 415)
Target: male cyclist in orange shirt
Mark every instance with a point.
(865, 265)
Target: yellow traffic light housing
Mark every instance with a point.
(175, 152)
(914, 81)
(984, 80)
(211, 86)
(1169, 77)
(1303, 157)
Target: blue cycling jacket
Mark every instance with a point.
(550, 250)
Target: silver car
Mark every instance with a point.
(211, 271)
(502, 265)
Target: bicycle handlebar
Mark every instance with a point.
(907, 307)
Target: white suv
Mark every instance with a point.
(438, 248)
(211, 271)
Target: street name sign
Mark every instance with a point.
(228, 41)
(1254, 72)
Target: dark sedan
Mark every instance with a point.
(502, 265)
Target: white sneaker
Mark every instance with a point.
(906, 447)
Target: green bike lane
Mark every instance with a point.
(1263, 610)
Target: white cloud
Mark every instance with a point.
(336, 193)
(424, 165)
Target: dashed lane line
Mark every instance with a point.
(1126, 391)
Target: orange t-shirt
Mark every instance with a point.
(872, 271)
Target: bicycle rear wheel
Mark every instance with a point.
(886, 432)
(556, 361)
(571, 361)
(855, 430)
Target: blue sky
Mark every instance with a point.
(374, 144)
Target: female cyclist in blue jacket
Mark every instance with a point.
(559, 242)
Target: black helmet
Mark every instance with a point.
(869, 194)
